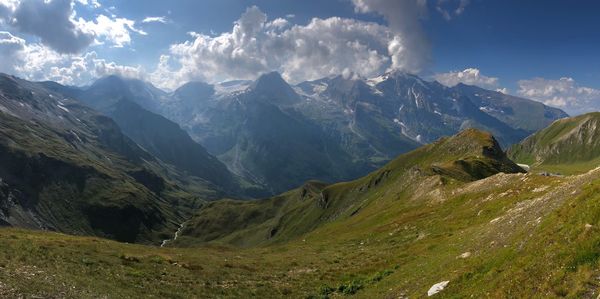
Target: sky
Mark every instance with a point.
(543, 50)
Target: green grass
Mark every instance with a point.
(568, 146)
(393, 233)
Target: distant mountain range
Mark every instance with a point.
(110, 161)
(127, 151)
(66, 167)
(278, 136)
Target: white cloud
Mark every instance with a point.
(115, 31)
(300, 52)
(10, 45)
(38, 62)
(470, 76)
(162, 20)
(278, 23)
(409, 48)
(52, 22)
(451, 8)
(55, 23)
(92, 3)
(564, 93)
(503, 90)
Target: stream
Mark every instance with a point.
(164, 242)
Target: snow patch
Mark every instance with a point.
(374, 81)
(63, 107)
(319, 88)
(488, 109)
(231, 87)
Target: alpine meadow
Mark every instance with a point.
(299, 149)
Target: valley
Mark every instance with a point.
(456, 210)
(452, 214)
(392, 149)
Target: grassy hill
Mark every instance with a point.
(457, 210)
(64, 167)
(569, 145)
(468, 156)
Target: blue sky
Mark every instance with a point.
(514, 39)
(544, 50)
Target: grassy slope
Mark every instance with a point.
(72, 170)
(527, 235)
(568, 146)
(468, 156)
(523, 242)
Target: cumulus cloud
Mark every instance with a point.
(451, 8)
(39, 62)
(470, 76)
(112, 30)
(409, 48)
(563, 93)
(162, 20)
(51, 21)
(503, 90)
(320, 48)
(10, 45)
(92, 3)
(55, 23)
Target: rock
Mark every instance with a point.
(465, 255)
(436, 288)
(588, 226)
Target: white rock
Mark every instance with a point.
(438, 287)
(465, 255)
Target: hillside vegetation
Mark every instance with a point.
(432, 215)
(64, 167)
(569, 145)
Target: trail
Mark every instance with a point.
(177, 233)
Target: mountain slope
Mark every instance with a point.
(123, 100)
(568, 145)
(468, 156)
(65, 167)
(519, 113)
(259, 135)
(314, 129)
(392, 236)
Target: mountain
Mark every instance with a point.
(337, 128)
(123, 100)
(109, 90)
(65, 167)
(456, 213)
(259, 134)
(471, 155)
(519, 113)
(569, 145)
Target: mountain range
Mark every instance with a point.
(452, 212)
(66, 167)
(275, 136)
(453, 218)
